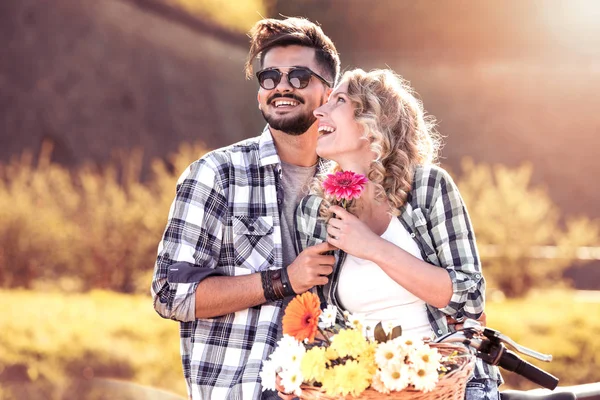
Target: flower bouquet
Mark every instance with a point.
(319, 358)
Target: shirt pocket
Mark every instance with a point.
(253, 244)
(423, 237)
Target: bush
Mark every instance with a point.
(93, 228)
(519, 232)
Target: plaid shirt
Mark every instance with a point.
(224, 221)
(436, 217)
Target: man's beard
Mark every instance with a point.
(292, 126)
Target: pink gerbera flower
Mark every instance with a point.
(344, 185)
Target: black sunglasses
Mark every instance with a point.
(298, 77)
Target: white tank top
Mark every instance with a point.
(366, 290)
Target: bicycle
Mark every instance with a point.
(491, 346)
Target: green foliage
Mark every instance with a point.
(56, 343)
(557, 322)
(87, 229)
(99, 228)
(51, 340)
(518, 228)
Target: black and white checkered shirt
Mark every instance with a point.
(224, 221)
(437, 219)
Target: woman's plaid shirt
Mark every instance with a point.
(224, 220)
(436, 217)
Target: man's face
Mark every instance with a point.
(286, 108)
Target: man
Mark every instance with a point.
(227, 260)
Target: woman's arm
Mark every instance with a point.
(428, 282)
(458, 287)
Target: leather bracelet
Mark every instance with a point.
(288, 290)
(265, 278)
(272, 285)
(277, 284)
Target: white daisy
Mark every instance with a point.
(395, 376)
(268, 375)
(426, 357)
(291, 380)
(378, 384)
(424, 379)
(327, 318)
(288, 352)
(355, 321)
(388, 353)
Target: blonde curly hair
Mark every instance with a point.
(402, 136)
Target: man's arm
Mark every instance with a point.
(221, 295)
(190, 246)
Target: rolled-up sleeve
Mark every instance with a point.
(191, 243)
(454, 240)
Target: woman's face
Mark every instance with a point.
(340, 137)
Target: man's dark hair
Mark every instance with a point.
(269, 33)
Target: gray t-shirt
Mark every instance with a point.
(295, 181)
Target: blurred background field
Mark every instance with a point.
(104, 103)
(54, 345)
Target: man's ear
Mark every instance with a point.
(258, 99)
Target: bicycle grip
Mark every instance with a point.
(512, 362)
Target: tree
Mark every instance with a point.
(518, 228)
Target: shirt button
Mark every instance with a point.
(477, 276)
(412, 235)
(439, 331)
(250, 229)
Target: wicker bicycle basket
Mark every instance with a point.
(450, 386)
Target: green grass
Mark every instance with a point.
(562, 323)
(54, 343)
(51, 339)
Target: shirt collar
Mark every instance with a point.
(266, 149)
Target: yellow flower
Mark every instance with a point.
(349, 342)
(313, 364)
(331, 354)
(352, 378)
(329, 382)
(367, 357)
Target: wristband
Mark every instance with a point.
(288, 290)
(265, 278)
(272, 286)
(277, 284)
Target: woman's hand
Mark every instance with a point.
(350, 234)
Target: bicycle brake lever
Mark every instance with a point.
(496, 336)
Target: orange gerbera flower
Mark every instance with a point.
(301, 317)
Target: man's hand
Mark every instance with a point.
(459, 325)
(311, 268)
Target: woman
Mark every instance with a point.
(407, 250)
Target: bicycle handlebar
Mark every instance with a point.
(512, 362)
(489, 346)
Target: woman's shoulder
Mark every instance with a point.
(430, 173)
(431, 182)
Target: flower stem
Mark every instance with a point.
(322, 332)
